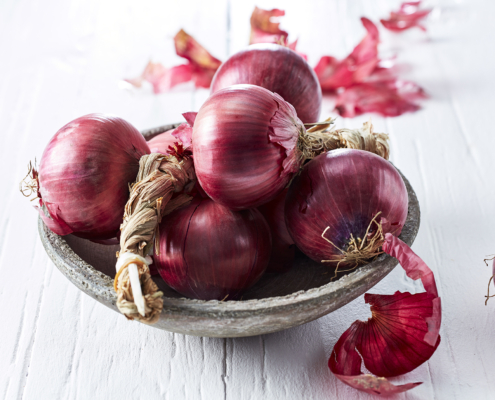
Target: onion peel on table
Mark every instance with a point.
(408, 16)
(402, 333)
(356, 67)
(200, 68)
(389, 98)
(264, 29)
(362, 85)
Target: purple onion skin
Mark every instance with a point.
(238, 162)
(160, 143)
(85, 173)
(343, 189)
(278, 69)
(283, 247)
(208, 251)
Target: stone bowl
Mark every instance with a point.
(276, 302)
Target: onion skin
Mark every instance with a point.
(283, 247)
(278, 69)
(160, 143)
(245, 146)
(85, 173)
(209, 252)
(342, 189)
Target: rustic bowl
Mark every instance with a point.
(276, 302)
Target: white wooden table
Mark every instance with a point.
(63, 59)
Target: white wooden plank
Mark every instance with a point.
(59, 343)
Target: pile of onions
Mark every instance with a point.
(278, 69)
(247, 143)
(343, 203)
(210, 252)
(84, 176)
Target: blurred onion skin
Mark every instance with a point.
(343, 189)
(283, 247)
(245, 146)
(85, 173)
(278, 69)
(208, 251)
(160, 143)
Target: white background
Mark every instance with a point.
(63, 59)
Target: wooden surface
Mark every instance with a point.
(63, 59)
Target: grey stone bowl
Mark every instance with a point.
(276, 302)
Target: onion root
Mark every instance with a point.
(359, 251)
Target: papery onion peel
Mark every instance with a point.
(200, 68)
(356, 67)
(402, 333)
(408, 16)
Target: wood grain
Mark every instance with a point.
(64, 59)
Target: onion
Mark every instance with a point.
(342, 204)
(283, 247)
(209, 252)
(248, 143)
(278, 69)
(162, 142)
(84, 176)
(175, 141)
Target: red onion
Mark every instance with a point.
(278, 69)
(166, 142)
(84, 175)
(162, 142)
(283, 247)
(245, 145)
(209, 252)
(356, 195)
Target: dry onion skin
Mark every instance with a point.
(175, 141)
(364, 85)
(278, 69)
(200, 67)
(408, 16)
(163, 142)
(402, 333)
(356, 67)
